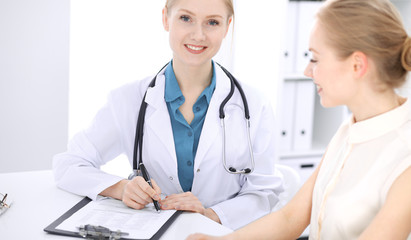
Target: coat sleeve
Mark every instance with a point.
(260, 189)
(78, 169)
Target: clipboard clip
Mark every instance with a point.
(99, 232)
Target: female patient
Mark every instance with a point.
(361, 190)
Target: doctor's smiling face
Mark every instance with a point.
(330, 73)
(196, 29)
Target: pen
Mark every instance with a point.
(146, 177)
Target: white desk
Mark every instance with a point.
(37, 202)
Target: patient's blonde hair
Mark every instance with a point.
(373, 27)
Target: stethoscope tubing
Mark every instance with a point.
(250, 148)
(138, 142)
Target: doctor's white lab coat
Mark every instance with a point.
(237, 199)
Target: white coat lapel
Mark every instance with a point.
(211, 127)
(157, 116)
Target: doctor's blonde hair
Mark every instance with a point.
(373, 27)
(229, 4)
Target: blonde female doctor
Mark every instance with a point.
(182, 146)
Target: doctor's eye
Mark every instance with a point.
(313, 60)
(213, 22)
(185, 18)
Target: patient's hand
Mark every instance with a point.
(199, 236)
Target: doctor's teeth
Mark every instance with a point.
(194, 48)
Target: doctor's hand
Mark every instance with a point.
(188, 202)
(137, 193)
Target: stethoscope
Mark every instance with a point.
(138, 143)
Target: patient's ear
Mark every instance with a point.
(359, 64)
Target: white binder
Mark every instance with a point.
(287, 116)
(289, 52)
(304, 115)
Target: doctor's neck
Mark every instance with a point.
(193, 76)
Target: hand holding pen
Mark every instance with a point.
(147, 178)
(138, 192)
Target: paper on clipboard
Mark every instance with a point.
(113, 214)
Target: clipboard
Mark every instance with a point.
(52, 228)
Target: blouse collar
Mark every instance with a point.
(378, 126)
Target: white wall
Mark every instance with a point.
(111, 43)
(258, 38)
(33, 82)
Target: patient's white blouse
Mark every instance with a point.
(361, 163)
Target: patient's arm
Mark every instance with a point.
(393, 221)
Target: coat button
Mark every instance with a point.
(198, 170)
(171, 178)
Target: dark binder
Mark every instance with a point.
(53, 230)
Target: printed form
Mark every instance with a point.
(115, 215)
